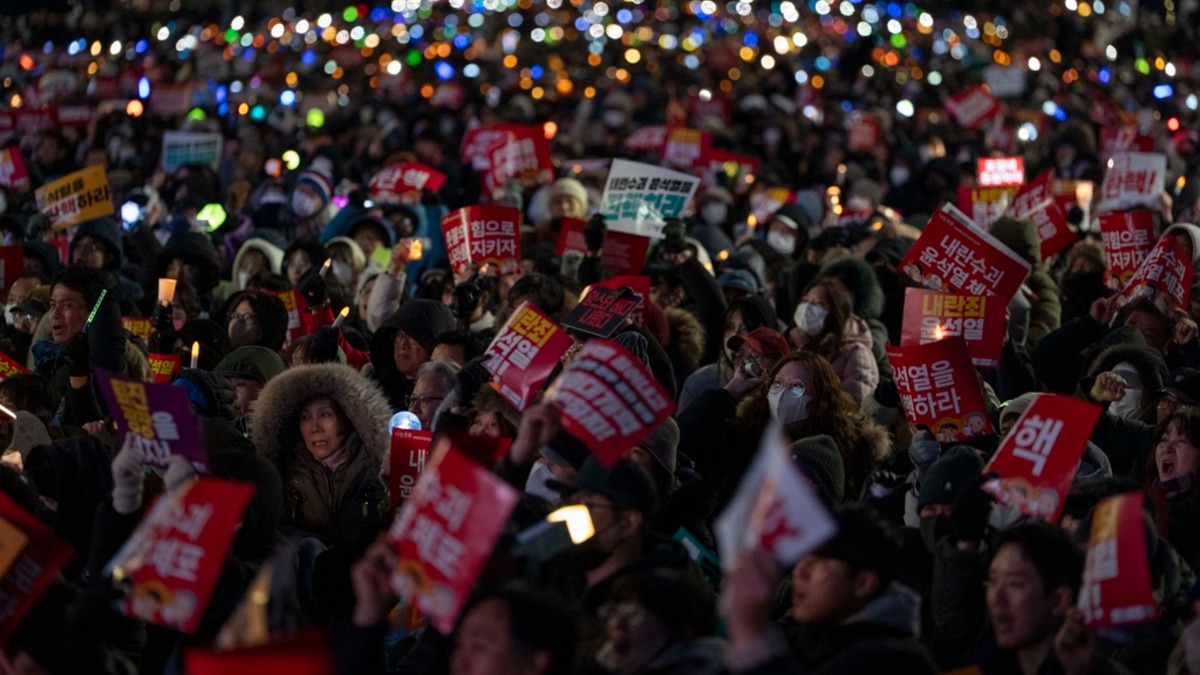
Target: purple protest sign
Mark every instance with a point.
(157, 416)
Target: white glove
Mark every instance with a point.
(127, 478)
(179, 471)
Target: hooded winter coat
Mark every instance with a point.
(271, 252)
(423, 321)
(335, 506)
(859, 278)
(107, 231)
(272, 317)
(1045, 314)
(197, 249)
(855, 363)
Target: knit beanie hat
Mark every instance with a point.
(663, 443)
(423, 321)
(636, 343)
(319, 180)
(571, 188)
(251, 362)
(948, 474)
(820, 460)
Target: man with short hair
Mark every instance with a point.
(435, 381)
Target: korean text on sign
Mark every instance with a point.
(479, 235)
(409, 452)
(524, 353)
(1133, 179)
(639, 197)
(75, 198)
(1116, 587)
(1128, 238)
(939, 389)
(1165, 277)
(930, 316)
(156, 418)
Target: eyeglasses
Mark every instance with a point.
(243, 318)
(421, 401)
(402, 337)
(796, 388)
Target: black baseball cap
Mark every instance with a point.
(625, 484)
(1184, 385)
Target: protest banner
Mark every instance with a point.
(1035, 201)
(601, 311)
(1128, 238)
(478, 235)
(169, 566)
(1116, 587)
(639, 197)
(686, 148)
(12, 263)
(184, 148)
(648, 139)
(939, 389)
(864, 131)
(157, 417)
(445, 533)
(399, 181)
(1165, 276)
(984, 206)
(163, 367)
(640, 285)
(524, 353)
(478, 142)
(1133, 179)
(1000, 171)
(609, 400)
(973, 107)
(623, 253)
(37, 554)
(954, 255)
(1114, 141)
(13, 174)
(1038, 458)
(774, 508)
(523, 154)
(75, 198)
(9, 367)
(296, 306)
(139, 327)
(406, 461)
(930, 316)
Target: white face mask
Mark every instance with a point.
(341, 272)
(730, 354)
(243, 278)
(1128, 406)
(536, 483)
(782, 242)
(8, 317)
(305, 205)
(899, 175)
(714, 213)
(787, 409)
(810, 318)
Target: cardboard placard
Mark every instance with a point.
(13, 174)
(524, 354)
(973, 107)
(609, 400)
(1038, 458)
(774, 508)
(623, 253)
(296, 306)
(767, 202)
(75, 198)
(12, 263)
(1165, 277)
(639, 197)
(163, 367)
(478, 235)
(1134, 179)
(185, 148)
(939, 389)
(602, 311)
(158, 417)
(1128, 238)
(1036, 202)
(405, 178)
(686, 148)
(137, 326)
(954, 255)
(169, 566)
(930, 316)
(445, 533)
(1116, 587)
(36, 564)
(1114, 141)
(522, 153)
(406, 460)
(1000, 171)
(640, 285)
(984, 206)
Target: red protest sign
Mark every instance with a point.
(1165, 276)
(863, 131)
(404, 178)
(296, 306)
(640, 285)
(406, 461)
(984, 206)
(930, 316)
(609, 400)
(524, 353)
(445, 532)
(1036, 202)
(1114, 141)
(1128, 237)
(1039, 456)
(1116, 586)
(33, 568)
(953, 255)
(602, 311)
(973, 107)
(9, 367)
(12, 262)
(647, 139)
(1000, 171)
(301, 655)
(156, 417)
(478, 235)
(13, 174)
(163, 367)
(534, 150)
(623, 252)
(169, 566)
(1133, 179)
(686, 148)
(939, 389)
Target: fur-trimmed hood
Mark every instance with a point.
(1148, 362)
(859, 278)
(686, 346)
(274, 419)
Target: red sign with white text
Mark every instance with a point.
(686, 148)
(602, 311)
(445, 533)
(478, 235)
(973, 107)
(1036, 202)
(478, 144)
(169, 566)
(1165, 277)
(623, 252)
(930, 316)
(609, 400)
(939, 389)
(1000, 171)
(1116, 586)
(953, 255)
(32, 569)
(1114, 141)
(640, 285)
(296, 306)
(1038, 458)
(524, 353)
(1128, 238)
(13, 174)
(647, 139)
(406, 461)
(405, 178)
(163, 367)
(863, 131)
(984, 206)
(522, 154)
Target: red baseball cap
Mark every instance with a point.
(762, 341)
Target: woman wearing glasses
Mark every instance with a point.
(256, 318)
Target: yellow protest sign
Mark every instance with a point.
(75, 198)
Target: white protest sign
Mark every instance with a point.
(638, 197)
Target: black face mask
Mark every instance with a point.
(935, 529)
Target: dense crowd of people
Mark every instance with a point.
(760, 315)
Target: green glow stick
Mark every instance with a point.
(96, 308)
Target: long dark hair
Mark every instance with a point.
(1187, 422)
(841, 307)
